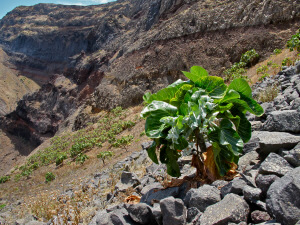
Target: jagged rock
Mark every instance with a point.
(247, 160)
(235, 186)
(284, 121)
(264, 182)
(193, 214)
(156, 211)
(293, 156)
(141, 213)
(283, 198)
(296, 103)
(219, 183)
(274, 141)
(270, 222)
(252, 144)
(275, 164)
(173, 211)
(127, 180)
(202, 197)
(159, 195)
(260, 216)
(232, 208)
(149, 187)
(251, 194)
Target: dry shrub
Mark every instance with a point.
(268, 94)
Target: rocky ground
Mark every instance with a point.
(267, 190)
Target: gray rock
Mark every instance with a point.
(247, 160)
(260, 216)
(232, 208)
(141, 213)
(219, 183)
(159, 195)
(128, 180)
(273, 141)
(173, 211)
(293, 156)
(291, 96)
(193, 214)
(202, 197)
(264, 182)
(252, 144)
(235, 186)
(156, 211)
(268, 107)
(34, 222)
(147, 188)
(275, 164)
(283, 198)
(251, 194)
(270, 222)
(296, 103)
(287, 120)
(297, 67)
(256, 125)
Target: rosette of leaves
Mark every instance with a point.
(202, 109)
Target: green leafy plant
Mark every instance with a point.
(123, 142)
(105, 155)
(49, 177)
(294, 42)
(277, 51)
(262, 69)
(4, 179)
(60, 158)
(264, 76)
(2, 206)
(237, 70)
(287, 62)
(204, 108)
(81, 158)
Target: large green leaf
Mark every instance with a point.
(165, 94)
(214, 86)
(169, 109)
(152, 152)
(249, 105)
(196, 73)
(153, 127)
(244, 126)
(182, 143)
(180, 94)
(222, 156)
(230, 94)
(172, 165)
(229, 136)
(241, 86)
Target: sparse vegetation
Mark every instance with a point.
(238, 69)
(2, 206)
(262, 69)
(49, 177)
(105, 155)
(268, 94)
(77, 144)
(277, 51)
(287, 62)
(4, 179)
(294, 42)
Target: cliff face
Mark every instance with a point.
(111, 54)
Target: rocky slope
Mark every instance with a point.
(109, 55)
(266, 191)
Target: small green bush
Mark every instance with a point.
(294, 42)
(49, 177)
(277, 51)
(286, 62)
(105, 155)
(60, 158)
(237, 70)
(262, 69)
(4, 179)
(81, 158)
(2, 206)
